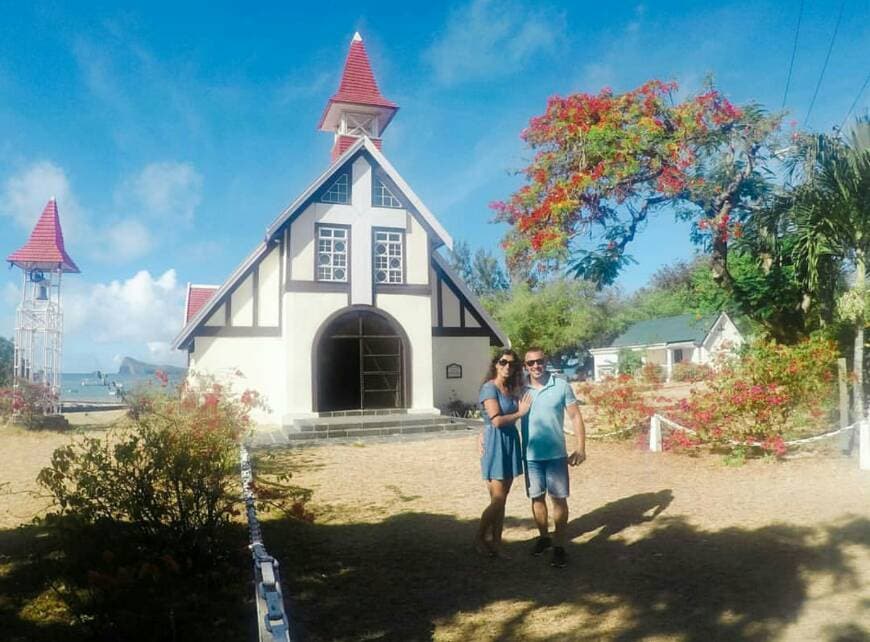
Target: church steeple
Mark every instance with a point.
(358, 108)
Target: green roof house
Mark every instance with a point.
(671, 340)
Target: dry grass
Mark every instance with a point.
(663, 547)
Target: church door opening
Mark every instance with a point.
(360, 364)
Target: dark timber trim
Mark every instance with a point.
(403, 288)
(255, 295)
(316, 286)
(239, 331)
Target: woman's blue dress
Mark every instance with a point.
(502, 451)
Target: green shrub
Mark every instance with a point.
(629, 361)
(170, 473)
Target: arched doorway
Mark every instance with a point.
(360, 362)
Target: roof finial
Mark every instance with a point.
(356, 37)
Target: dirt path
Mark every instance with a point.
(663, 547)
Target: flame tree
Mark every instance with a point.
(605, 164)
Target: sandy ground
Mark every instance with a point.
(24, 452)
(663, 547)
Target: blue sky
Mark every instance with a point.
(172, 134)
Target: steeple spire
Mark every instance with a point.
(45, 248)
(358, 108)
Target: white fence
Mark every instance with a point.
(657, 421)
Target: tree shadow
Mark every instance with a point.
(58, 586)
(401, 578)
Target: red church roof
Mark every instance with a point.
(197, 296)
(45, 249)
(358, 85)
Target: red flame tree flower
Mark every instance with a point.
(604, 163)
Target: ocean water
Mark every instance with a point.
(87, 386)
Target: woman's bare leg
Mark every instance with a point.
(492, 518)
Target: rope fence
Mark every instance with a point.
(273, 623)
(863, 427)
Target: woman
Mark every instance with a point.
(501, 452)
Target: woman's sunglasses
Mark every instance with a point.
(505, 362)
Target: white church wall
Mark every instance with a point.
(242, 304)
(218, 317)
(304, 313)
(449, 307)
(417, 250)
(473, 354)
(415, 318)
(269, 296)
(257, 358)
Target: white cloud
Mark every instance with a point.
(125, 240)
(24, 195)
(138, 311)
(486, 39)
(165, 191)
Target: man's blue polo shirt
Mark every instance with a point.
(542, 428)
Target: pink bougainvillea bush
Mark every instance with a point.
(619, 403)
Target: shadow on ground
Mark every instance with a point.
(399, 578)
(56, 590)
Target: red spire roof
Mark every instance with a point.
(358, 85)
(45, 249)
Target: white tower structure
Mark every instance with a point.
(39, 321)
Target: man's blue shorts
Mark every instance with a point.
(548, 476)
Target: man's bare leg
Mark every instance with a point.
(560, 519)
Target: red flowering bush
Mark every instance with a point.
(756, 400)
(170, 472)
(691, 372)
(619, 403)
(652, 373)
(27, 400)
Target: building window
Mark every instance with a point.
(388, 257)
(383, 197)
(332, 253)
(678, 356)
(338, 192)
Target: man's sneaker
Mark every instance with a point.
(541, 545)
(559, 559)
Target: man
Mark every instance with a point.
(546, 456)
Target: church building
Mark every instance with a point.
(346, 304)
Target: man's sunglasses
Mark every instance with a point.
(505, 362)
(534, 362)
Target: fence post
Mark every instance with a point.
(655, 434)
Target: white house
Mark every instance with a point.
(671, 340)
(345, 305)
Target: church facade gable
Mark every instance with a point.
(346, 304)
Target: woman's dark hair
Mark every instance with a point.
(515, 381)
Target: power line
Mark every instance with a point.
(855, 102)
(793, 52)
(825, 66)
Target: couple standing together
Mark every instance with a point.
(539, 403)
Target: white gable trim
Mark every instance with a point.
(430, 220)
(722, 320)
(472, 298)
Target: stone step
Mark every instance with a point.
(365, 421)
(352, 433)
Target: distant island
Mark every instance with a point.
(130, 366)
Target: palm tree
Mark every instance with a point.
(831, 212)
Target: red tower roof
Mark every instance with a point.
(358, 85)
(197, 296)
(44, 249)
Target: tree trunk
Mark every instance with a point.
(858, 355)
